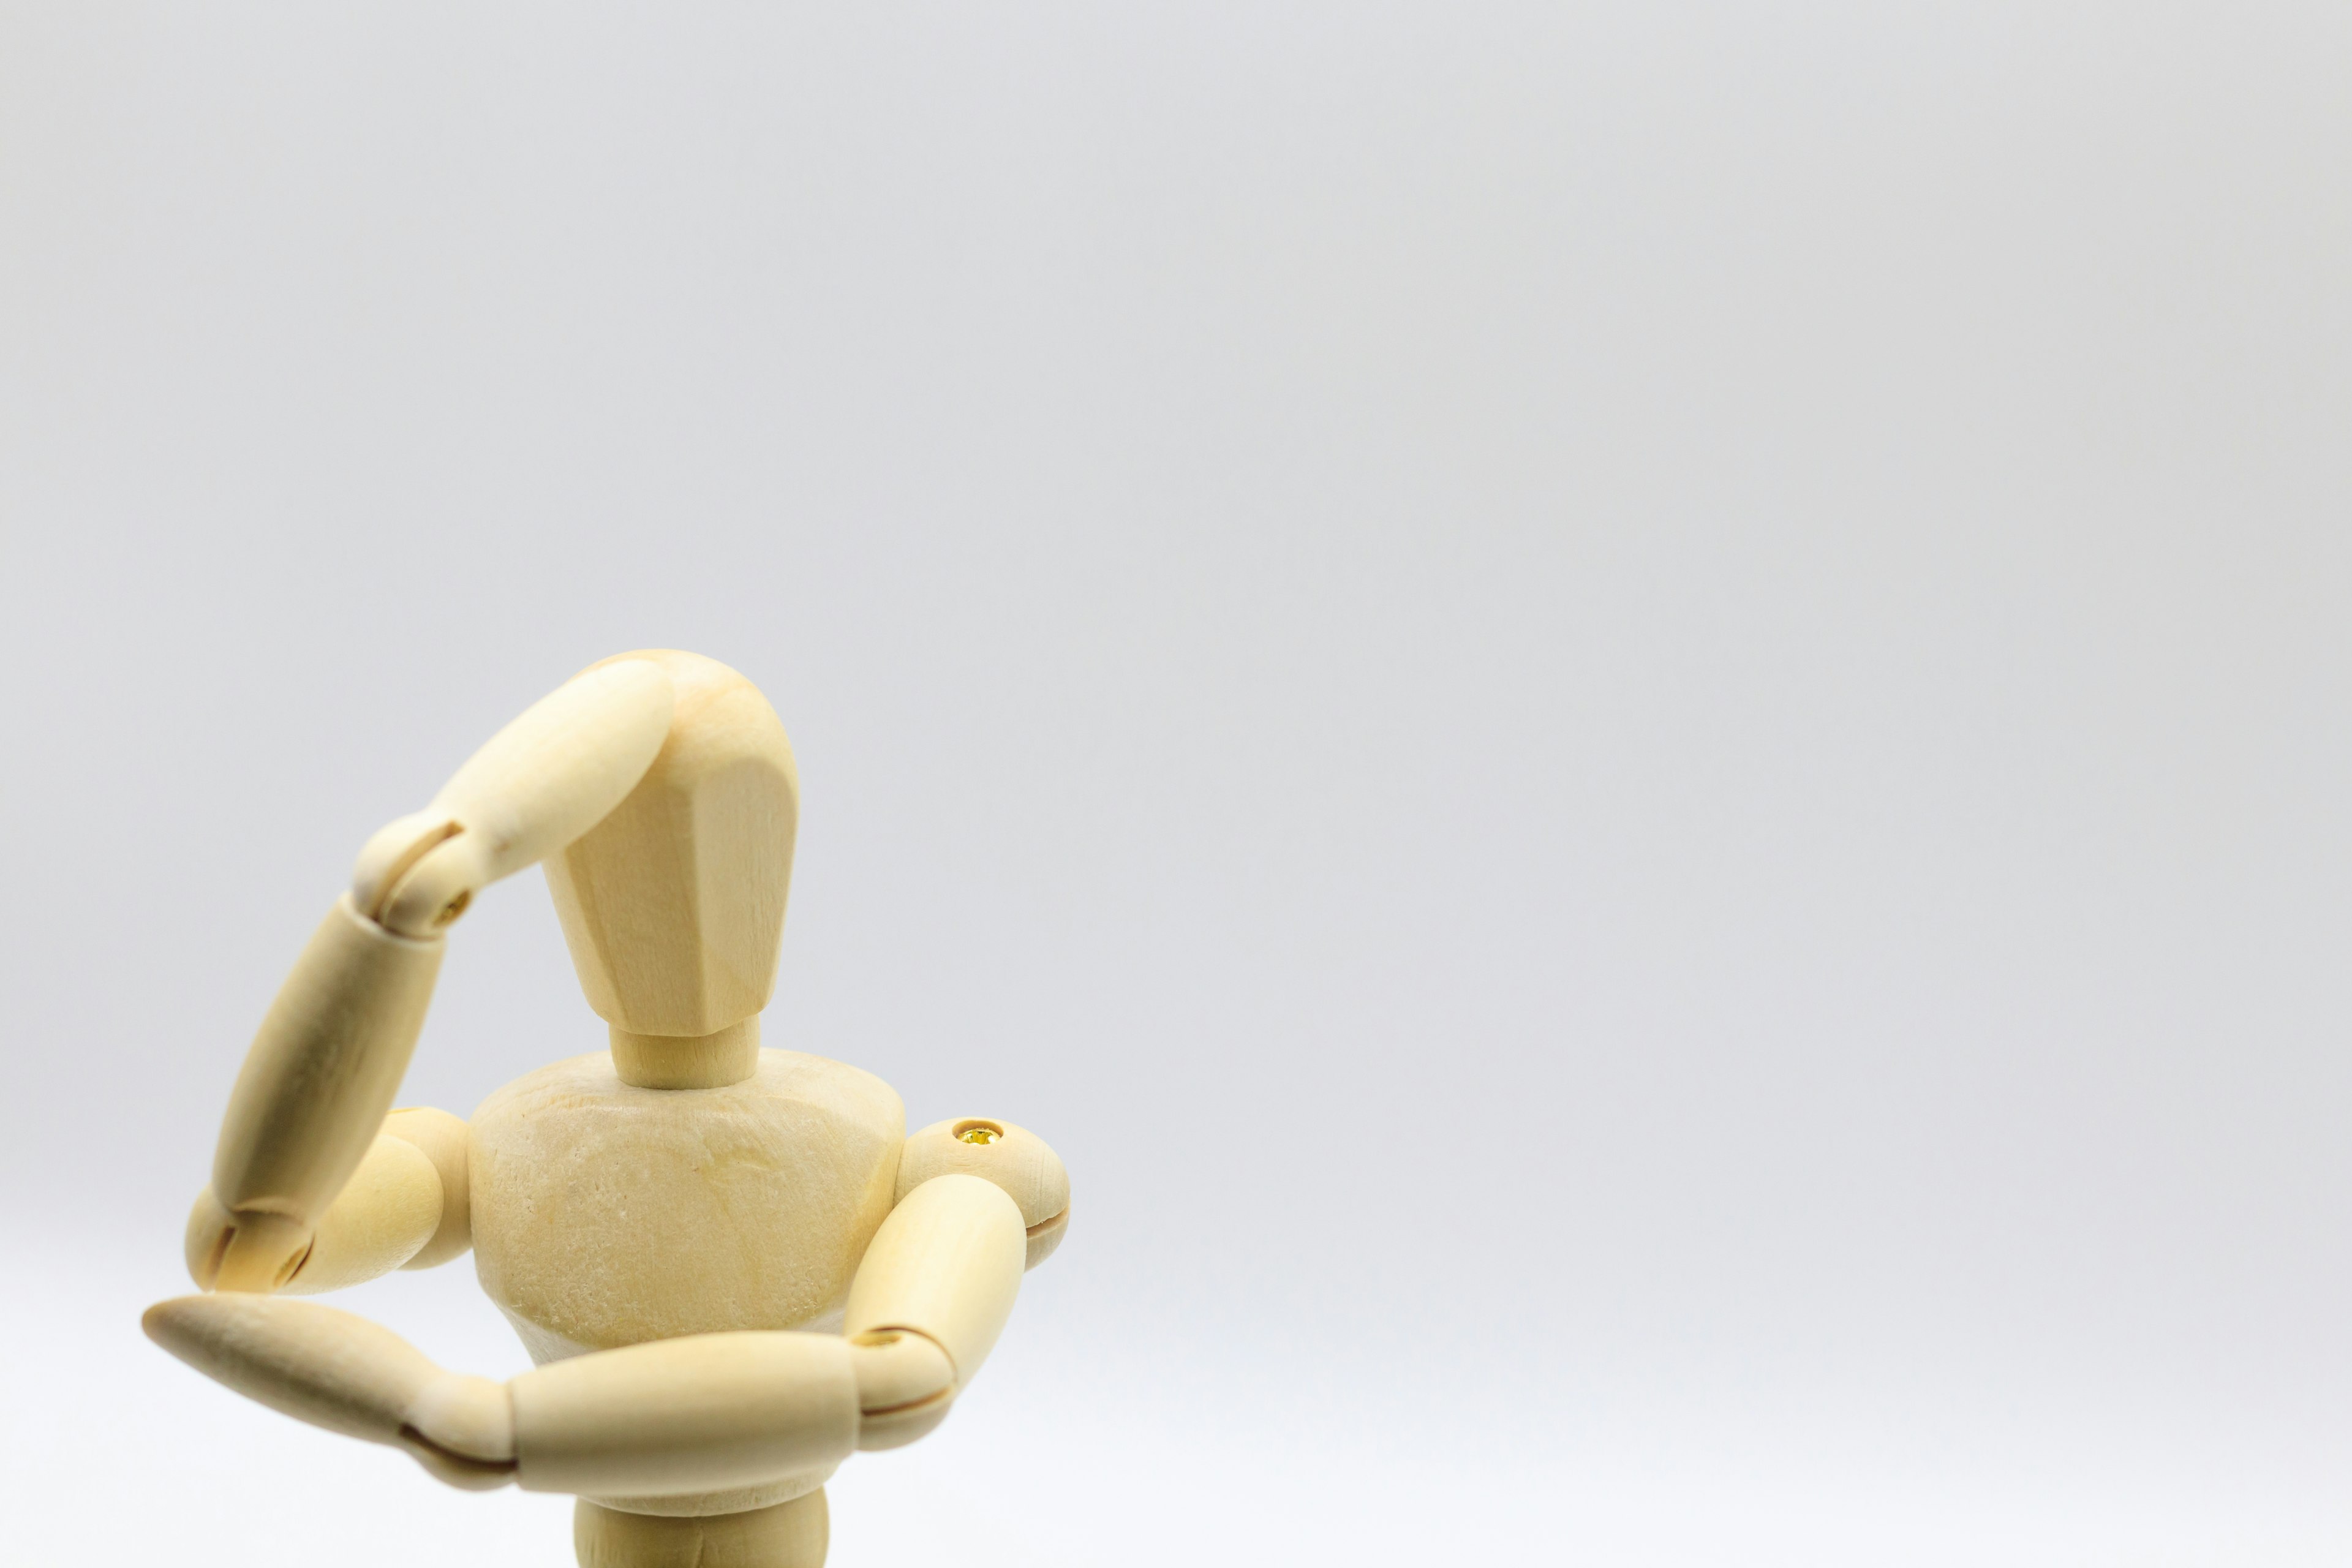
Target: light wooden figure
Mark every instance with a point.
(731, 1266)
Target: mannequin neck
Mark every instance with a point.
(687, 1061)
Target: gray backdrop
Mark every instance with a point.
(1630, 719)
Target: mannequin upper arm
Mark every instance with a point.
(442, 1139)
(1013, 1158)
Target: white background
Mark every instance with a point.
(1630, 719)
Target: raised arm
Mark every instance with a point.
(310, 1104)
(405, 1207)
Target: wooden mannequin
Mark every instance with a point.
(732, 1264)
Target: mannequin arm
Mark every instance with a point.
(930, 1296)
(331, 1051)
(405, 1207)
(1009, 1157)
(672, 1416)
(341, 1372)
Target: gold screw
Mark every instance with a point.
(980, 1134)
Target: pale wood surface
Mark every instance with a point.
(674, 904)
(947, 1265)
(687, 1061)
(534, 787)
(905, 1386)
(1004, 1153)
(687, 1416)
(682, 1212)
(1044, 1238)
(316, 1084)
(442, 1138)
(789, 1535)
(342, 1371)
(896, 1369)
(383, 1217)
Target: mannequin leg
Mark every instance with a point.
(789, 1535)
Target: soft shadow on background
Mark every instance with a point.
(1632, 721)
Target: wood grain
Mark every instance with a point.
(314, 1089)
(947, 1265)
(691, 1414)
(789, 1535)
(1001, 1152)
(673, 905)
(383, 1217)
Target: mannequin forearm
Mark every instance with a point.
(314, 1089)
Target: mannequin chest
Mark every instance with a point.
(605, 1214)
